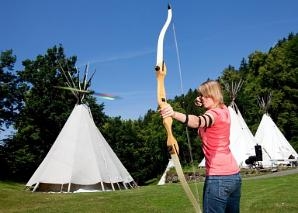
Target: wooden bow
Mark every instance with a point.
(172, 144)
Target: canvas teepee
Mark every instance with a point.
(269, 136)
(163, 178)
(80, 158)
(242, 141)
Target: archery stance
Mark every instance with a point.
(222, 187)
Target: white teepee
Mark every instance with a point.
(269, 136)
(163, 178)
(80, 158)
(242, 142)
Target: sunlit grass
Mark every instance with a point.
(277, 194)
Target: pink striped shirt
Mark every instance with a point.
(219, 159)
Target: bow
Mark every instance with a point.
(172, 144)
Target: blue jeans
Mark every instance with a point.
(222, 194)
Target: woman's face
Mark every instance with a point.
(208, 102)
(205, 101)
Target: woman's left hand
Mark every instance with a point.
(167, 111)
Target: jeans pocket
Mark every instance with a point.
(226, 187)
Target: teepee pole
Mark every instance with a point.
(69, 184)
(35, 187)
(119, 187)
(102, 186)
(112, 184)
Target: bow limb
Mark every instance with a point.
(161, 72)
(172, 144)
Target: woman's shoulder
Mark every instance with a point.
(218, 111)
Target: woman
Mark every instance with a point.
(222, 187)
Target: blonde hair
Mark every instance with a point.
(211, 89)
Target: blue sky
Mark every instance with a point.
(119, 39)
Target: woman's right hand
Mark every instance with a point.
(198, 101)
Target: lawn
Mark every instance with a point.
(275, 194)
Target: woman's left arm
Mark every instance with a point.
(193, 121)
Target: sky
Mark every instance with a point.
(118, 39)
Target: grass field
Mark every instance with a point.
(275, 194)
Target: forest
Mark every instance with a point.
(29, 105)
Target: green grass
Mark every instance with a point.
(277, 194)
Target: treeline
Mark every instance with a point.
(37, 110)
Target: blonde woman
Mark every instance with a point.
(222, 187)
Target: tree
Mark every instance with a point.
(11, 90)
(45, 112)
(274, 72)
